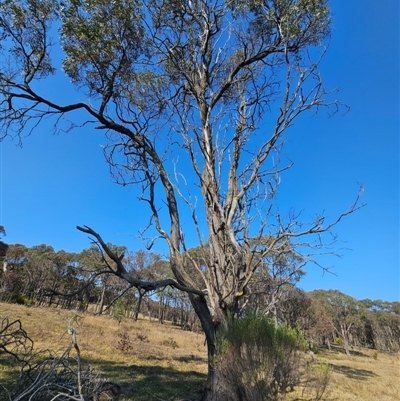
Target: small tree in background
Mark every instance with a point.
(344, 312)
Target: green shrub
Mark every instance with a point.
(258, 359)
(170, 342)
(118, 310)
(21, 299)
(317, 378)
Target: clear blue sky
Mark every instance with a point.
(53, 183)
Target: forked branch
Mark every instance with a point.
(121, 272)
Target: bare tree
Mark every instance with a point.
(186, 91)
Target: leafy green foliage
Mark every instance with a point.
(102, 40)
(170, 342)
(345, 312)
(382, 331)
(25, 25)
(22, 299)
(118, 310)
(258, 358)
(303, 22)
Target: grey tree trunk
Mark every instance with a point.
(101, 301)
(136, 315)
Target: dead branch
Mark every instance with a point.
(121, 272)
(14, 340)
(61, 378)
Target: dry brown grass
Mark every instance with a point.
(163, 362)
(366, 376)
(167, 363)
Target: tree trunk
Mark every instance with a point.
(160, 311)
(346, 346)
(214, 389)
(136, 315)
(148, 308)
(345, 338)
(100, 305)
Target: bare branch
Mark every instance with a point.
(122, 273)
(15, 341)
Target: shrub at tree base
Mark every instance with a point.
(260, 360)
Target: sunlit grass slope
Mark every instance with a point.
(162, 362)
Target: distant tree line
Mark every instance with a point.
(41, 276)
(331, 317)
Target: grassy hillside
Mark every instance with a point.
(161, 362)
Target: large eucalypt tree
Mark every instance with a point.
(194, 98)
